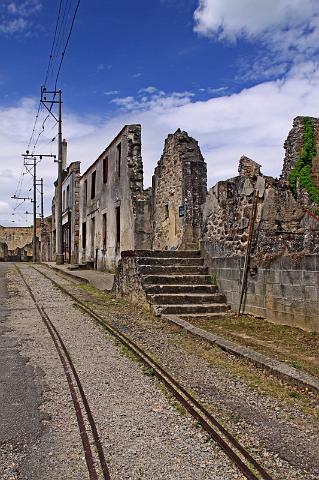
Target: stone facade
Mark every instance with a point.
(282, 224)
(128, 280)
(17, 242)
(284, 289)
(46, 240)
(179, 191)
(71, 213)
(283, 268)
(70, 217)
(115, 211)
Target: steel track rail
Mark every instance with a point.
(249, 467)
(68, 367)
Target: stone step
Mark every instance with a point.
(168, 253)
(176, 279)
(187, 298)
(158, 289)
(172, 270)
(204, 316)
(194, 309)
(193, 262)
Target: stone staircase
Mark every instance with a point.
(177, 283)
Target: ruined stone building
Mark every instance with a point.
(71, 212)
(70, 218)
(179, 190)
(107, 215)
(114, 208)
(16, 243)
(283, 278)
(46, 240)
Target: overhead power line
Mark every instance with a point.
(66, 16)
(67, 43)
(53, 44)
(58, 38)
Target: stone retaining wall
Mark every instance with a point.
(127, 281)
(285, 290)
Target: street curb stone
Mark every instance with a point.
(69, 274)
(279, 369)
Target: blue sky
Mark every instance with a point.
(231, 73)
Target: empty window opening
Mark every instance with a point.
(67, 197)
(84, 235)
(118, 226)
(86, 191)
(104, 231)
(92, 235)
(119, 158)
(105, 169)
(166, 211)
(63, 200)
(93, 181)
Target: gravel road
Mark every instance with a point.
(281, 434)
(143, 434)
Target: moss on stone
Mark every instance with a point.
(303, 166)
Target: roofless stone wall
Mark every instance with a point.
(284, 224)
(18, 241)
(293, 147)
(179, 191)
(282, 283)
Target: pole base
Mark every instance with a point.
(59, 259)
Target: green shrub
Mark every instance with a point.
(302, 168)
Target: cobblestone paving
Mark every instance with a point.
(143, 435)
(281, 434)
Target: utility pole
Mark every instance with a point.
(60, 255)
(33, 159)
(34, 242)
(42, 209)
(52, 101)
(33, 164)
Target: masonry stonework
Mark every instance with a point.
(114, 209)
(17, 242)
(285, 248)
(282, 225)
(293, 146)
(179, 191)
(116, 215)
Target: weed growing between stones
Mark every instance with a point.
(212, 278)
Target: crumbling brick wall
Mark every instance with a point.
(179, 191)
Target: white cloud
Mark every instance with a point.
(4, 207)
(151, 98)
(149, 89)
(24, 9)
(254, 122)
(230, 20)
(13, 26)
(288, 28)
(15, 16)
(112, 92)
